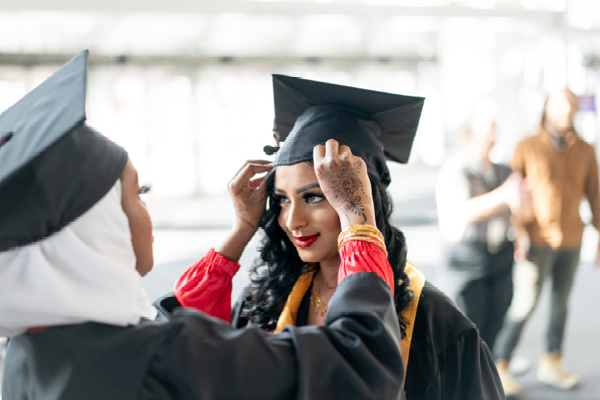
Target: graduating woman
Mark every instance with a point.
(295, 275)
(75, 240)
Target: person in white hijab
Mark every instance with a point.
(75, 241)
(85, 272)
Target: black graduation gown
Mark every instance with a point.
(192, 356)
(447, 361)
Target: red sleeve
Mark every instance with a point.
(206, 285)
(360, 256)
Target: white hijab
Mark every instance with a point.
(85, 272)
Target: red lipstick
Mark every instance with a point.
(306, 241)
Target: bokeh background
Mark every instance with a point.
(185, 87)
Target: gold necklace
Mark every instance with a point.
(320, 306)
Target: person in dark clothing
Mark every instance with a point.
(76, 239)
(475, 197)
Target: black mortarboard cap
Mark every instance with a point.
(375, 125)
(53, 167)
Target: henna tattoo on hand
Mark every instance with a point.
(239, 209)
(246, 221)
(239, 191)
(343, 188)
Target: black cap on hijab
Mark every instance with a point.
(375, 125)
(53, 167)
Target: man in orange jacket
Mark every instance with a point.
(560, 168)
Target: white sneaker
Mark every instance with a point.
(519, 365)
(551, 371)
(509, 383)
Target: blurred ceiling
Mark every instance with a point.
(366, 8)
(197, 31)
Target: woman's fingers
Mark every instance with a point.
(344, 180)
(257, 183)
(331, 149)
(344, 151)
(244, 176)
(259, 189)
(252, 169)
(261, 162)
(318, 154)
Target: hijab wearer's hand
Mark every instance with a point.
(249, 195)
(344, 181)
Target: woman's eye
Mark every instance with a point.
(282, 200)
(313, 198)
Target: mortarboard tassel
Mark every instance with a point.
(270, 150)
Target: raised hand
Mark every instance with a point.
(249, 195)
(345, 183)
(249, 200)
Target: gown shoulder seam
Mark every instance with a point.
(458, 337)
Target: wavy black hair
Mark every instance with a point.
(279, 266)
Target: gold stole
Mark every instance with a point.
(290, 310)
(417, 281)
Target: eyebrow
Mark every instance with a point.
(302, 189)
(308, 187)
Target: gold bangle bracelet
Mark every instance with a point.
(359, 237)
(367, 239)
(361, 233)
(372, 232)
(362, 226)
(360, 229)
(350, 237)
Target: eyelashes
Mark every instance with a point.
(313, 198)
(279, 199)
(309, 197)
(145, 188)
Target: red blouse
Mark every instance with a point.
(206, 285)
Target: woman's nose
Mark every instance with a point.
(296, 219)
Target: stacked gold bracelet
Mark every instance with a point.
(366, 233)
(360, 230)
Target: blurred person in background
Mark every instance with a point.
(474, 200)
(294, 276)
(560, 169)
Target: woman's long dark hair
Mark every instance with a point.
(279, 266)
